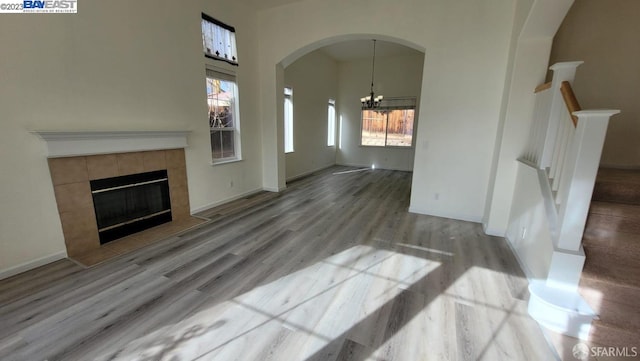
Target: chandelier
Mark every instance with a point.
(371, 101)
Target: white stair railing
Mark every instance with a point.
(567, 142)
(565, 146)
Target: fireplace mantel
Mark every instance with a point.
(68, 144)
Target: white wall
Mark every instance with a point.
(122, 65)
(314, 79)
(535, 24)
(466, 45)
(116, 65)
(395, 76)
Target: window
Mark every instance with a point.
(222, 95)
(331, 123)
(288, 120)
(219, 40)
(390, 125)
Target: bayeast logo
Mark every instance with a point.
(67, 6)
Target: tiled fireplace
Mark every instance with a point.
(71, 178)
(123, 158)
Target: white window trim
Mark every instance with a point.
(228, 75)
(413, 138)
(288, 129)
(331, 123)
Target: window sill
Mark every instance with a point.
(386, 146)
(225, 161)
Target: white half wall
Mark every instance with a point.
(528, 232)
(314, 79)
(395, 76)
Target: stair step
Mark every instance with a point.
(612, 241)
(605, 334)
(611, 267)
(614, 217)
(614, 303)
(610, 280)
(617, 185)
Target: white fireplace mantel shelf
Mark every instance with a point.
(68, 144)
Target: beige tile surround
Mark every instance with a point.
(71, 176)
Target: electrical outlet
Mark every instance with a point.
(230, 184)
(436, 196)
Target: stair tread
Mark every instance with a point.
(611, 276)
(618, 175)
(613, 217)
(599, 237)
(617, 185)
(609, 325)
(603, 240)
(618, 292)
(621, 313)
(606, 334)
(615, 209)
(611, 267)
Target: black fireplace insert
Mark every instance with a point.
(129, 204)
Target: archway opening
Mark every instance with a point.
(321, 117)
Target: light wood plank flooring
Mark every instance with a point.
(333, 268)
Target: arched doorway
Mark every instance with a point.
(346, 61)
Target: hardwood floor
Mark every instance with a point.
(333, 268)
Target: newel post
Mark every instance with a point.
(583, 159)
(565, 71)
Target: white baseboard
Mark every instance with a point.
(12, 271)
(523, 266)
(456, 216)
(369, 166)
(304, 174)
(226, 200)
(273, 189)
(493, 231)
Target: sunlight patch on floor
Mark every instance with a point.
(304, 310)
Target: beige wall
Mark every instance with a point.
(605, 35)
(116, 65)
(314, 79)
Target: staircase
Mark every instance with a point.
(610, 280)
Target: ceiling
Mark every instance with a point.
(363, 49)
